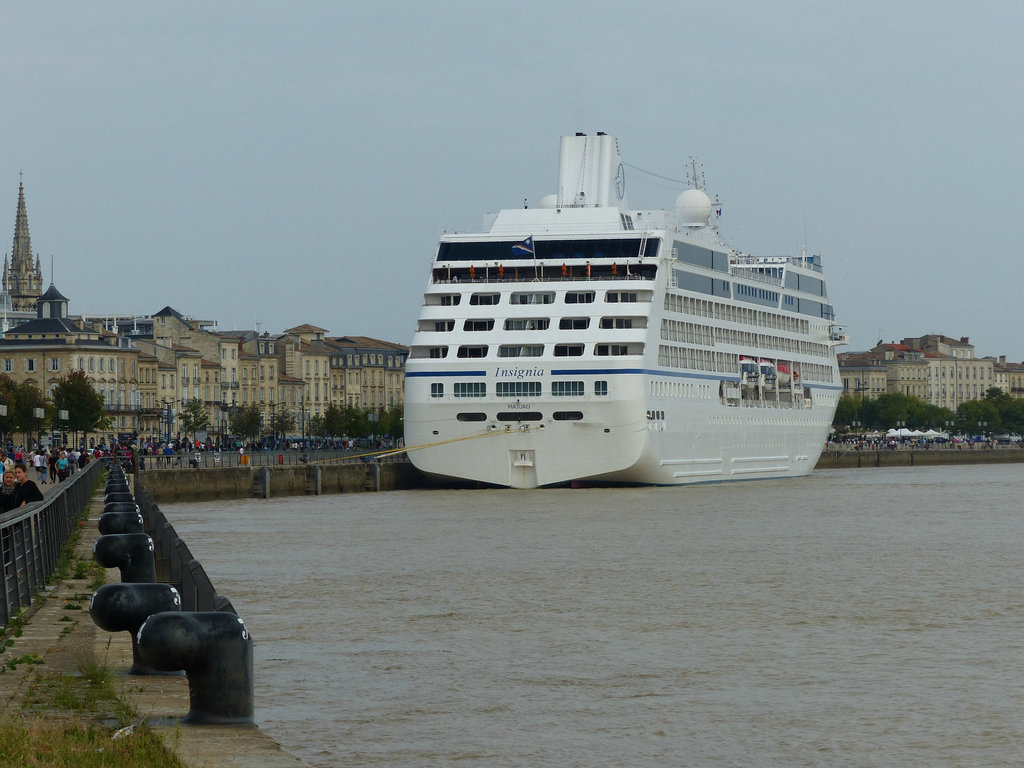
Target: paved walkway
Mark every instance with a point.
(64, 644)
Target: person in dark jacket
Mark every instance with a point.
(27, 490)
(7, 491)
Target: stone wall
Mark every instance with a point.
(182, 485)
(910, 458)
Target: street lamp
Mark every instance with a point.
(224, 411)
(39, 413)
(62, 415)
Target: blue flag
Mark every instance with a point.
(524, 248)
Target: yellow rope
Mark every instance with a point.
(406, 449)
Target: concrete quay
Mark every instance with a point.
(905, 456)
(236, 482)
(64, 645)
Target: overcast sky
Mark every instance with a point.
(294, 162)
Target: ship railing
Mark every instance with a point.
(748, 272)
(529, 277)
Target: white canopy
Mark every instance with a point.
(904, 433)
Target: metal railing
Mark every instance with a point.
(268, 458)
(32, 539)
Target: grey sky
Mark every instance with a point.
(291, 162)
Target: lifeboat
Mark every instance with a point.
(768, 371)
(784, 374)
(749, 371)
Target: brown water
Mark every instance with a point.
(869, 617)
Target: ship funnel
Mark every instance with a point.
(590, 172)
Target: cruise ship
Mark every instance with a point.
(584, 342)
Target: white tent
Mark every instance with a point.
(904, 433)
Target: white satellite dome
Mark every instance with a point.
(549, 201)
(693, 208)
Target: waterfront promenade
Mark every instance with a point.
(61, 638)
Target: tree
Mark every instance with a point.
(392, 421)
(246, 421)
(847, 412)
(281, 421)
(354, 422)
(76, 394)
(194, 416)
(22, 401)
(978, 416)
(334, 421)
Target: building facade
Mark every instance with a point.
(937, 369)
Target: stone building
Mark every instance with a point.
(937, 369)
(42, 351)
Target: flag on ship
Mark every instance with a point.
(524, 248)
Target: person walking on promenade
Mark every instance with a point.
(62, 467)
(38, 461)
(27, 490)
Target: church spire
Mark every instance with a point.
(23, 280)
(21, 255)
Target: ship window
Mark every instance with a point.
(567, 388)
(437, 389)
(533, 298)
(616, 322)
(567, 415)
(620, 297)
(436, 325)
(478, 325)
(472, 417)
(470, 389)
(574, 323)
(568, 350)
(520, 350)
(443, 299)
(423, 352)
(604, 350)
(519, 416)
(579, 297)
(527, 324)
(473, 351)
(601, 388)
(549, 251)
(518, 388)
(483, 299)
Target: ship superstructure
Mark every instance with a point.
(584, 341)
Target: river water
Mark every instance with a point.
(870, 617)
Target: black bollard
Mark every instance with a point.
(215, 651)
(122, 522)
(131, 552)
(120, 506)
(116, 487)
(125, 607)
(119, 496)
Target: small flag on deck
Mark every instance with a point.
(524, 248)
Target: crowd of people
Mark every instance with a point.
(52, 465)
